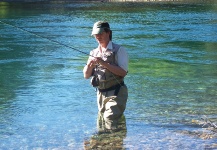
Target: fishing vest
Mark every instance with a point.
(105, 78)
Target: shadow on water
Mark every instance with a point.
(107, 139)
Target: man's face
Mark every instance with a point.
(102, 38)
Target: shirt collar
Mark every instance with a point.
(109, 46)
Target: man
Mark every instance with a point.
(108, 65)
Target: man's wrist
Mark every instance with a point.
(90, 65)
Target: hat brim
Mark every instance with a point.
(97, 31)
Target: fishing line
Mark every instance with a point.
(24, 30)
(37, 35)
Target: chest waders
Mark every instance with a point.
(112, 93)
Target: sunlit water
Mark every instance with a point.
(46, 104)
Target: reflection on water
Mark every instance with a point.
(46, 104)
(107, 139)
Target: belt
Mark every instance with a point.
(114, 87)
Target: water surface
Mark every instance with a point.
(46, 104)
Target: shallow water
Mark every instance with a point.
(46, 104)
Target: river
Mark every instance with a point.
(45, 103)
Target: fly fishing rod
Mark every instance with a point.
(22, 29)
(37, 35)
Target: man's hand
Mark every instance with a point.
(92, 62)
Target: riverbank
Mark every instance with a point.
(61, 1)
(168, 1)
(161, 0)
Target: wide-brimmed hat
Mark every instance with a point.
(99, 27)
